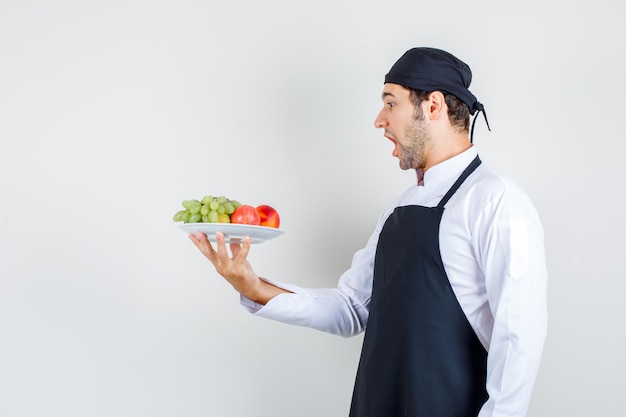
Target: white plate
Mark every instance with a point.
(233, 232)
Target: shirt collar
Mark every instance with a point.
(449, 169)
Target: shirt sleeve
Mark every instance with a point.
(511, 253)
(341, 311)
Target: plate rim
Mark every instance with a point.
(242, 225)
(267, 231)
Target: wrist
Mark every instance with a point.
(262, 292)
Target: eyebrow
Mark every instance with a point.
(387, 94)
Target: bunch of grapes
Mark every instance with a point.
(208, 210)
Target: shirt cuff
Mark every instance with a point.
(255, 308)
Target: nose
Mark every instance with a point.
(381, 120)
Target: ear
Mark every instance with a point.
(436, 105)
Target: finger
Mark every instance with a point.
(235, 248)
(193, 238)
(201, 241)
(242, 252)
(222, 253)
(197, 239)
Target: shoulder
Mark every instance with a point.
(488, 184)
(490, 193)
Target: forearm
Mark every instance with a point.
(327, 309)
(263, 292)
(518, 337)
(512, 370)
(341, 311)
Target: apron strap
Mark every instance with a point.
(470, 168)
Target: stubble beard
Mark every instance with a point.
(412, 154)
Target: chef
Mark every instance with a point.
(450, 288)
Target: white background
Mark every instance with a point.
(113, 112)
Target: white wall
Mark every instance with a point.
(112, 113)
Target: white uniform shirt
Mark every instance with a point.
(492, 249)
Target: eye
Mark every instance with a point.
(391, 103)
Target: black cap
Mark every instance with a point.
(430, 69)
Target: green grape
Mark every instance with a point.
(229, 207)
(209, 209)
(179, 216)
(194, 206)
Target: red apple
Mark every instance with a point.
(269, 216)
(245, 214)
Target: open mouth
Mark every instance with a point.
(395, 144)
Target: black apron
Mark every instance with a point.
(420, 356)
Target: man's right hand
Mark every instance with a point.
(236, 269)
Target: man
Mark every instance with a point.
(450, 288)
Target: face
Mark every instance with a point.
(404, 126)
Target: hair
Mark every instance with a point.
(458, 112)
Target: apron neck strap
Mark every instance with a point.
(466, 173)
